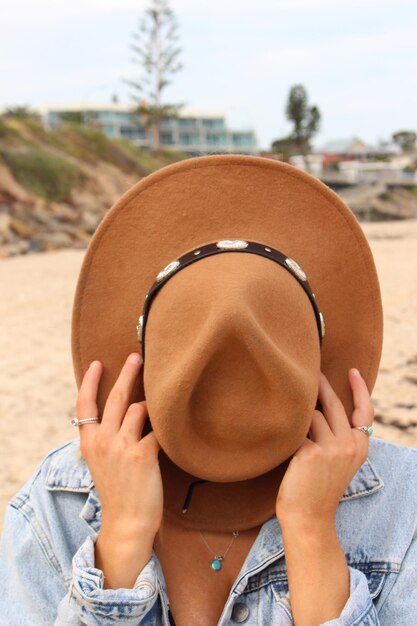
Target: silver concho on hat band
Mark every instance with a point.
(229, 245)
(139, 328)
(322, 324)
(232, 244)
(293, 265)
(167, 270)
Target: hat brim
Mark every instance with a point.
(209, 198)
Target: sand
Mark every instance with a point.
(37, 386)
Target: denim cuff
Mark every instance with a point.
(101, 607)
(359, 608)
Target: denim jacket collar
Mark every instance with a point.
(263, 564)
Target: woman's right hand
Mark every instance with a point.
(124, 468)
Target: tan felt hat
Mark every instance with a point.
(244, 277)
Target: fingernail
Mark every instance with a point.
(134, 358)
(356, 372)
(94, 364)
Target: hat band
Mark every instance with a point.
(228, 245)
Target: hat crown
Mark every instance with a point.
(231, 343)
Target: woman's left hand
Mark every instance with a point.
(323, 466)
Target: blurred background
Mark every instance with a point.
(96, 95)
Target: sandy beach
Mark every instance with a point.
(37, 386)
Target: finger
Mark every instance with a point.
(87, 401)
(333, 409)
(150, 443)
(320, 431)
(119, 397)
(134, 421)
(307, 444)
(363, 412)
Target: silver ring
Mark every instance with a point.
(366, 429)
(76, 422)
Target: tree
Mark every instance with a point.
(406, 139)
(156, 52)
(306, 119)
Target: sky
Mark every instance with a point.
(357, 59)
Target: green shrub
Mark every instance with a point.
(92, 144)
(45, 175)
(82, 142)
(146, 161)
(142, 158)
(172, 156)
(387, 196)
(20, 112)
(6, 132)
(24, 142)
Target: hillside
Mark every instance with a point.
(55, 186)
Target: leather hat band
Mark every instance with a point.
(228, 245)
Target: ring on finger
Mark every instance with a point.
(368, 430)
(88, 420)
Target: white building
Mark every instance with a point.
(193, 131)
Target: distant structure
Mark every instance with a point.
(345, 162)
(194, 132)
(344, 149)
(354, 148)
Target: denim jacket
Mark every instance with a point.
(48, 576)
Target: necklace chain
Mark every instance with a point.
(217, 556)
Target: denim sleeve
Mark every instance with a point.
(400, 604)
(359, 608)
(31, 587)
(97, 606)
(397, 606)
(35, 591)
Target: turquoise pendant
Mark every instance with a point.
(216, 563)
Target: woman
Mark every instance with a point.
(307, 500)
(257, 497)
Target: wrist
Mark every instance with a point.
(309, 526)
(121, 556)
(114, 548)
(132, 536)
(127, 531)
